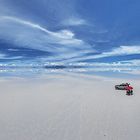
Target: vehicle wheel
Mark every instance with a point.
(128, 92)
(131, 92)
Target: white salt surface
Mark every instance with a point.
(68, 108)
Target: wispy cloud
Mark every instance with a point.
(63, 36)
(31, 35)
(73, 21)
(122, 50)
(119, 51)
(5, 57)
(2, 56)
(28, 23)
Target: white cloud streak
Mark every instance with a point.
(26, 33)
(120, 51)
(74, 22)
(63, 34)
(25, 23)
(5, 57)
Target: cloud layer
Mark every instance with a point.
(41, 31)
(119, 51)
(30, 35)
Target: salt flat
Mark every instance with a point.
(68, 108)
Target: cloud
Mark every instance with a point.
(31, 35)
(13, 49)
(74, 22)
(5, 57)
(2, 56)
(24, 22)
(65, 37)
(120, 51)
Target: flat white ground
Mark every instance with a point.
(68, 108)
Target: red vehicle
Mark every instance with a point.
(125, 86)
(129, 90)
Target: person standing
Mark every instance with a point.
(129, 90)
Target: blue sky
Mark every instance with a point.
(69, 31)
